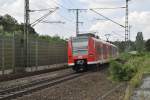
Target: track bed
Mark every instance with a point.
(90, 86)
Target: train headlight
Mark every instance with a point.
(80, 62)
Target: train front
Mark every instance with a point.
(78, 53)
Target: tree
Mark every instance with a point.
(139, 42)
(147, 45)
(10, 25)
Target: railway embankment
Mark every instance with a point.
(143, 91)
(94, 85)
(138, 65)
(32, 71)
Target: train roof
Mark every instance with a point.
(86, 35)
(94, 37)
(104, 42)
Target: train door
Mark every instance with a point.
(110, 51)
(101, 54)
(104, 52)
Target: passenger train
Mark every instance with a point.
(87, 49)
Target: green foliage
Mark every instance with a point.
(125, 56)
(54, 39)
(121, 72)
(10, 24)
(139, 42)
(133, 68)
(141, 62)
(147, 45)
(121, 45)
(115, 70)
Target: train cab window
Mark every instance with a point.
(80, 46)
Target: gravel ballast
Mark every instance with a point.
(21, 81)
(90, 86)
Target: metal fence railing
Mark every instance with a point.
(40, 53)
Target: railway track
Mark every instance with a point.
(28, 74)
(107, 94)
(14, 92)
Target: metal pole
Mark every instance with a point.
(36, 54)
(77, 22)
(26, 32)
(3, 55)
(129, 36)
(126, 25)
(77, 18)
(13, 53)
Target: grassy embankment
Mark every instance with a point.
(130, 68)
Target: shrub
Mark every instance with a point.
(120, 72)
(115, 70)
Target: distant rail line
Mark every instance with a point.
(14, 92)
(27, 74)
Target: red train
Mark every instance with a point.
(87, 49)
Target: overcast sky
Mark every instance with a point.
(139, 16)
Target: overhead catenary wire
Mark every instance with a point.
(110, 8)
(43, 17)
(107, 18)
(41, 10)
(117, 34)
(46, 21)
(63, 7)
(60, 5)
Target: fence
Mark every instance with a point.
(40, 52)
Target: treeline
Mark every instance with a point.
(9, 25)
(139, 44)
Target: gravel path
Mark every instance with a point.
(143, 92)
(87, 87)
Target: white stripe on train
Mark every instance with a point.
(93, 62)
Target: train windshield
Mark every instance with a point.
(80, 46)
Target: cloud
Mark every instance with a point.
(139, 16)
(14, 8)
(138, 20)
(100, 3)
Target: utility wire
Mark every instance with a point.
(107, 18)
(67, 19)
(62, 6)
(117, 34)
(43, 17)
(41, 9)
(111, 8)
(52, 22)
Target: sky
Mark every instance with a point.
(139, 17)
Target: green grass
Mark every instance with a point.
(130, 68)
(142, 63)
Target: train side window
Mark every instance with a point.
(104, 49)
(97, 48)
(113, 51)
(101, 50)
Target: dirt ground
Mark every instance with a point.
(90, 86)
